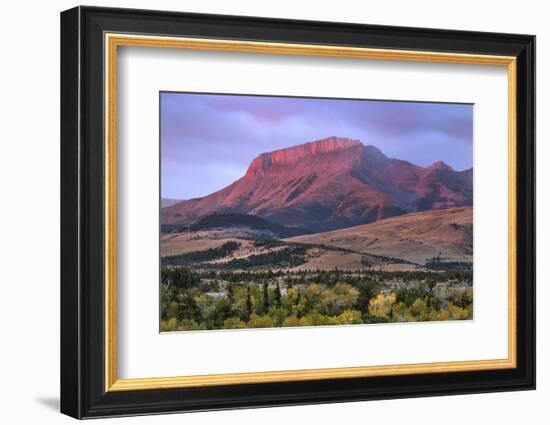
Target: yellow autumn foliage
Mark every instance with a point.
(457, 313)
(381, 305)
(291, 321)
(350, 317)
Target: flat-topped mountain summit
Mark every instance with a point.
(265, 161)
(329, 184)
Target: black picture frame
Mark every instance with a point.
(83, 392)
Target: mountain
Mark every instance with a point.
(234, 220)
(166, 202)
(418, 237)
(329, 184)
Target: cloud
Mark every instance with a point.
(207, 141)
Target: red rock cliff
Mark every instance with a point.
(293, 154)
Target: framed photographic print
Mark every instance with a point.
(261, 212)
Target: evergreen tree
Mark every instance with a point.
(430, 286)
(265, 297)
(277, 296)
(230, 293)
(367, 290)
(248, 303)
(187, 308)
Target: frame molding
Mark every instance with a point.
(113, 41)
(90, 38)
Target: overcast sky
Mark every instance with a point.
(208, 141)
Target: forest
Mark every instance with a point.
(215, 299)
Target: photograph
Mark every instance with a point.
(280, 211)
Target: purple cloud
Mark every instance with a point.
(207, 141)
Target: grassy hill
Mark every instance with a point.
(444, 235)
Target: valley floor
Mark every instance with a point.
(415, 267)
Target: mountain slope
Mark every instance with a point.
(166, 202)
(330, 184)
(416, 237)
(233, 220)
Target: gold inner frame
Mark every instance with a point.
(113, 41)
